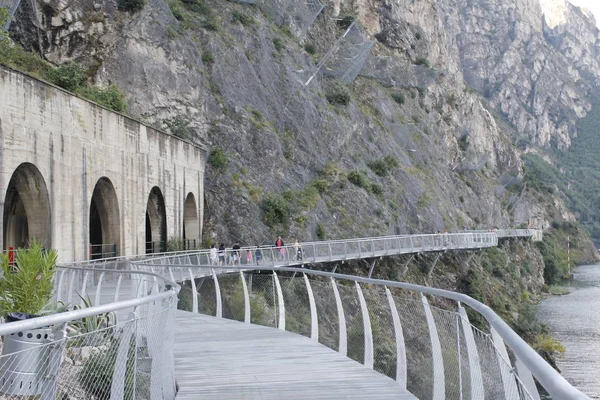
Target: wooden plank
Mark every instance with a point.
(218, 358)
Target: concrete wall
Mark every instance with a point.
(74, 143)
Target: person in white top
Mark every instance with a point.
(213, 255)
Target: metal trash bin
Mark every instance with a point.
(25, 359)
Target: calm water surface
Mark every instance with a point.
(574, 319)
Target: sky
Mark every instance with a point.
(592, 5)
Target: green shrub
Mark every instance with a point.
(110, 97)
(278, 43)
(422, 61)
(178, 125)
(69, 76)
(242, 18)
(322, 185)
(379, 167)
(207, 57)
(175, 243)
(310, 48)
(130, 5)
(358, 179)
(321, 234)
(383, 166)
(345, 22)
(276, 210)
(338, 94)
(218, 159)
(398, 97)
(27, 286)
(376, 189)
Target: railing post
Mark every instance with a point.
(330, 252)
(477, 389)
(527, 379)
(439, 380)
(314, 320)
(401, 367)
(280, 302)
(194, 292)
(314, 254)
(343, 337)
(246, 299)
(368, 332)
(99, 289)
(219, 311)
(506, 372)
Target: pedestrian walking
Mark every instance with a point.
(236, 254)
(214, 259)
(258, 254)
(279, 246)
(222, 254)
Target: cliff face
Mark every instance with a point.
(449, 88)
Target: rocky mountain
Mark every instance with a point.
(428, 137)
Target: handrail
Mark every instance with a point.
(550, 379)
(60, 318)
(418, 243)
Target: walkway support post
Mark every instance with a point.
(343, 337)
(368, 332)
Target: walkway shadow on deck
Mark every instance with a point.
(223, 359)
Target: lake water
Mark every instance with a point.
(574, 320)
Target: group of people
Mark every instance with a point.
(238, 256)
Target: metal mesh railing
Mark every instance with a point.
(417, 335)
(326, 251)
(115, 340)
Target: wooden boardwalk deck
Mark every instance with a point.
(219, 358)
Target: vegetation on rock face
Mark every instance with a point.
(218, 159)
(130, 5)
(178, 125)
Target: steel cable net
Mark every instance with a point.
(232, 294)
(418, 346)
(297, 15)
(449, 334)
(263, 298)
(297, 305)
(354, 322)
(327, 314)
(382, 326)
(97, 359)
(348, 55)
(207, 296)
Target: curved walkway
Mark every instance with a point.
(218, 358)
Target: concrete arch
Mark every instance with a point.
(104, 220)
(191, 231)
(156, 222)
(26, 209)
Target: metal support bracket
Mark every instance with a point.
(437, 257)
(372, 267)
(405, 268)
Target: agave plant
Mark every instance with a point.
(94, 323)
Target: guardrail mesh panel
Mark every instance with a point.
(490, 369)
(446, 323)
(297, 306)
(207, 298)
(418, 347)
(354, 322)
(382, 325)
(263, 298)
(232, 294)
(326, 313)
